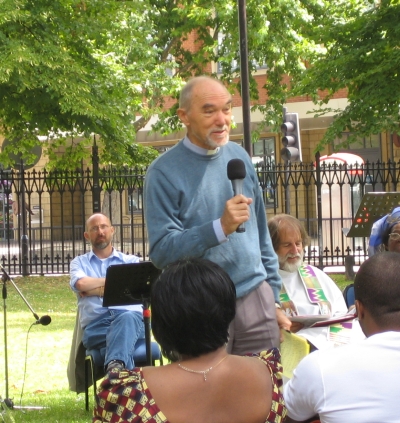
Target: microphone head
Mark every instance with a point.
(236, 169)
(45, 320)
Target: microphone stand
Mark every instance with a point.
(6, 278)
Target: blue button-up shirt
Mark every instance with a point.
(90, 265)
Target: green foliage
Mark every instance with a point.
(57, 79)
(361, 55)
(282, 39)
(71, 69)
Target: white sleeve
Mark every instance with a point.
(304, 393)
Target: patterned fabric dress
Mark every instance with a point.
(271, 358)
(125, 397)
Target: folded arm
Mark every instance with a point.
(82, 283)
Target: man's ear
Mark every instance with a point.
(183, 116)
(86, 235)
(360, 310)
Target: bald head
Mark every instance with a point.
(96, 216)
(186, 96)
(205, 108)
(377, 288)
(99, 232)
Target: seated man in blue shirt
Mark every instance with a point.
(116, 328)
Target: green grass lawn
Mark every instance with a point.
(37, 361)
(341, 280)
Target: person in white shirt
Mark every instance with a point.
(358, 382)
(306, 290)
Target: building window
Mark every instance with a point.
(373, 141)
(368, 148)
(135, 200)
(264, 151)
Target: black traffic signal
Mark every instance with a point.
(290, 128)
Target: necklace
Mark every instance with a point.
(202, 372)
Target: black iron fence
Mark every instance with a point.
(43, 214)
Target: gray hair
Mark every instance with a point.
(280, 221)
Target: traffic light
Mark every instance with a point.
(290, 128)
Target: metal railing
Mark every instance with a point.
(58, 203)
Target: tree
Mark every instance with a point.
(70, 68)
(56, 81)
(361, 55)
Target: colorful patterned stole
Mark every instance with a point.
(315, 293)
(339, 333)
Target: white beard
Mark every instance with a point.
(291, 267)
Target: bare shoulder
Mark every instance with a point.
(224, 396)
(256, 362)
(255, 369)
(250, 382)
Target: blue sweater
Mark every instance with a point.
(184, 193)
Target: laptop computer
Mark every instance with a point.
(129, 283)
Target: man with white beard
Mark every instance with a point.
(306, 290)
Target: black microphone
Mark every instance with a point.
(236, 173)
(44, 320)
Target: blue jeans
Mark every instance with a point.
(117, 331)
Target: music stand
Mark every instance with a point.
(373, 206)
(128, 284)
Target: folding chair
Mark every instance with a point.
(348, 294)
(94, 365)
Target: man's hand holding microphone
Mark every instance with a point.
(237, 209)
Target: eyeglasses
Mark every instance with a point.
(97, 228)
(394, 236)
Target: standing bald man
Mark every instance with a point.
(192, 211)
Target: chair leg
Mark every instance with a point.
(94, 383)
(87, 384)
(89, 362)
